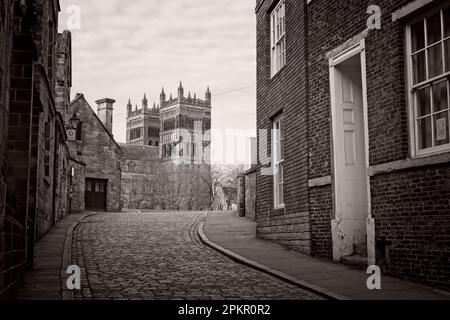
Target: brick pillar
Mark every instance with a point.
(241, 196)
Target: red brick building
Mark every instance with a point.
(35, 165)
(357, 169)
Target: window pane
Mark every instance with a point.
(419, 73)
(447, 22)
(434, 31)
(440, 100)
(423, 102)
(447, 55)
(424, 133)
(441, 133)
(435, 66)
(418, 36)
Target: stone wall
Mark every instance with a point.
(8, 276)
(247, 194)
(63, 77)
(250, 195)
(98, 150)
(152, 184)
(77, 187)
(36, 191)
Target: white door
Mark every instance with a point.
(350, 161)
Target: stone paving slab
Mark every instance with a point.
(238, 235)
(43, 282)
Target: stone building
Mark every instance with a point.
(143, 125)
(166, 161)
(35, 164)
(92, 143)
(357, 166)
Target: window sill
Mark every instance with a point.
(278, 211)
(276, 75)
(422, 161)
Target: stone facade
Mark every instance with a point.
(166, 161)
(250, 194)
(34, 157)
(6, 229)
(77, 185)
(95, 146)
(149, 183)
(144, 124)
(408, 223)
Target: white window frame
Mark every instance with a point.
(278, 38)
(413, 88)
(278, 161)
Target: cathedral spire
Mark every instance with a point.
(208, 96)
(145, 102)
(162, 97)
(129, 108)
(180, 91)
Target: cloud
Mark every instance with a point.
(126, 48)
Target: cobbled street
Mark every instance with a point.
(159, 256)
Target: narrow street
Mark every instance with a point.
(159, 256)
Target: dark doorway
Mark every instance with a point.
(95, 195)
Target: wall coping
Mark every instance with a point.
(408, 164)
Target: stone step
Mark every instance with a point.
(357, 261)
(360, 249)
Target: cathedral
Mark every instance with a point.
(179, 127)
(166, 161)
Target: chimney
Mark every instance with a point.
(105, 112)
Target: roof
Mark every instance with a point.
(81, 96)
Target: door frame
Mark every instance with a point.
(357, 49)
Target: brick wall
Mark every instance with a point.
(412, 215)
(286, 92)
(416, 192)
(321, 209)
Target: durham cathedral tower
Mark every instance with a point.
(179, 127)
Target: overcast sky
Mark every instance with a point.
(127, 47)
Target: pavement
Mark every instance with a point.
(145, 256)
(236, 237)
(44, 281)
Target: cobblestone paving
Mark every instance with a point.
(159, 256)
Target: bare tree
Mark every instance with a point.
(231, 174)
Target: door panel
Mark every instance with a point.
(95, 195)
